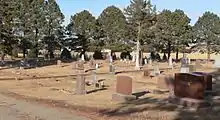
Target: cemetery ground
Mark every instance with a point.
(55, 85)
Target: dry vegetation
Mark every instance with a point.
(147, 107)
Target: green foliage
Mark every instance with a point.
(207, 30)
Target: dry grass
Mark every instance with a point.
(146, 108)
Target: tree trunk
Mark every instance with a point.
(177, 54)
(208, 53)
(36, 34)
(169, 50)
(137, 65)
(141, 58)
(51, 54)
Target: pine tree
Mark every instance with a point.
(54, 20)
(140, 14)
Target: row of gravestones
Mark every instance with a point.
(187, 89)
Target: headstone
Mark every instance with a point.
(184, 62)
(92, 63)
(207, 78)
(80, 85)
(110, 59)
(133, 57)
(156, 70)
(123, 89)
(147, 73)
(94, 77)
(111, 68)
(59, 62)
(217, 62)
(189, 85)
(80, 79)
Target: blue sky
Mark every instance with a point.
(193, 8)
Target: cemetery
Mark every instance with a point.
(109, 60)
(112, 87)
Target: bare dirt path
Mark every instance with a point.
(12, 109)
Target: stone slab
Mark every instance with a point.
(189, 85)
(124, 85)
(189, 102)
(123, 98)
(207, 78)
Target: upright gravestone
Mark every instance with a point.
(150, 61)
(145, 61)
(80, 79)
(123, 89)
(83, 57)
(111, 69)
(92, 63)
(217, 63)
(189, 61)
(184, 65)
(189, 90)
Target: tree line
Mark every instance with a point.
(38, 24)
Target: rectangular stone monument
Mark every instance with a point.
(123, 89)
(189, 85)
(189, 91)
(147, 73)
(80, 85)
(80, 79)
(207, 78)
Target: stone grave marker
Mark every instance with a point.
(217, 63)
(92, 63)
(189, 85)
(147, 73)
(150, 61)
(145, 61)
(170, 63)
(189, 90)
(189, 61)
(59, 63)
(123, 89)
(207, 79)
(156, 70)
(111, 68)
(83, 57)
(80, 79)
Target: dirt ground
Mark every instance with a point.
(147, 107)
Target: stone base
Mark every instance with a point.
(123, 98)
(188, 102)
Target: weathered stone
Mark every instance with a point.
(123, 89)
(124, 85)
(147, 73)
(111, 69)
(189, 85)
(59, 62)
(184, 70)
(207, 78)
(92, 63)
(80, 85)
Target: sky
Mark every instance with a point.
(193, 8)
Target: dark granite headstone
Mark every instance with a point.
(207, 78)
(188, 85)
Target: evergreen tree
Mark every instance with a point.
(207, 31)
(140, 14)
(54, 19)
(113, 24)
